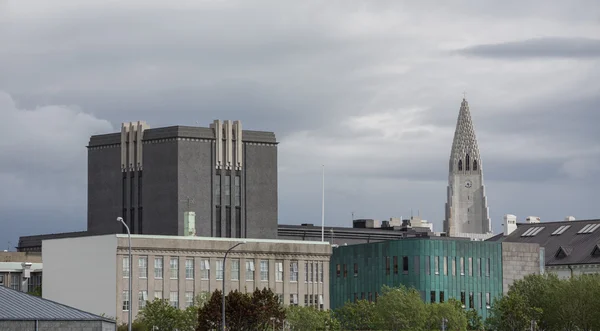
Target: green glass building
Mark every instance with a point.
(439, 268)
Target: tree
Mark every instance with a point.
(36, 291)
(359, 315)
(311, 319)
(541, 292)
(400, 309)
(451, 311)
(266, 308)
(160, 315)
(474, 320)
(511, 313)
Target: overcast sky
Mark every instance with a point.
(371, 89)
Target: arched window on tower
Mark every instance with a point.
(459, 165)
(474, 164)
(467, 163)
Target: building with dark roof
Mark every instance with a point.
(23, 312)
(571, 247)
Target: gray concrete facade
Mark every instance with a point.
(151, 177)
(518, 261)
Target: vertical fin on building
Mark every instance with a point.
(132, 135)
(237, 127)
(228, 144)
(218, 128)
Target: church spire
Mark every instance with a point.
(465, 151)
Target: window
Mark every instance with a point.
(280, 298)
(387, 265)
(462, 298)
(306, 272)
(237, 194)
(158, 295)
(405, 265)
(395, 265)
(249, 271)
(467, 162)
(320, 272)
(1, 280)
(417, 265)
(204, 269)
(480, 301)
(459, 165)
(462, 266)
(227, 190)
(189, 299)
(235, 269)
(488, 267)
(158, 267)
(264, 271)
(475, 165)
(174, 299)
(453, 265)
(125, 266)
(470, 266)
(306, 300)
(445, 265)
(355, 296)
(316, 273)
(218, 190)
(442, 296)
(345, 270)
(174, 267)
(355, 269)
(125, 298)
(436, 264)
(362, 295)
(293, 299)
(427, 265)
(432, 296)
(279, 271)
(479, 261)
(487, 300)
(311, 272)
(142, 298)
(219, 270)
(370, 297)
(143, 266)
(15, 282)
(321, 301)
(471, 298)
(337, 270)
(35, 281)
(189, 268)
(294, 271)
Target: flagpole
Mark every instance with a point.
(323, 207)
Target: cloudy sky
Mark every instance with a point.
(371, 89)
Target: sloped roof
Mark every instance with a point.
(577, 248)
(20, 306)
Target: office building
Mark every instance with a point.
(21, 271)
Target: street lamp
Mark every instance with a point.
(120, 219)
(223, 294)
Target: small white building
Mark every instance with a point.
(92, 273)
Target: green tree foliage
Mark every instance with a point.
(512, 313)
(244, 311)
(311, 319)
(36, 291)
(474, 321)
(360, 315)
(159, 315)
(451, 311)
(401, 308)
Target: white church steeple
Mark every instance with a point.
(467, 213)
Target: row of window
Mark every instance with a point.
(313, 271)
(439, 263)
(313, 300)
(15, 281)
(433, 298)
(227, 190)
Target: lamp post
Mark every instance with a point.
(223, 294)
(120, 219)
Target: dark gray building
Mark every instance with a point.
(181, 180)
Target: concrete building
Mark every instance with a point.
(474, 272)
(467, 213)
(219, 181)
(570, 247)
(21, 271)
(23, 312)
(178, 269)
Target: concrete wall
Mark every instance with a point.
(518, 261)
(80, 272)
(57, 326)
(261, 190)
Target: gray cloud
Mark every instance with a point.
(549, 47)
(367, 88)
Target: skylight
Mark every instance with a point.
(589, 228)
(533, 231)
(560, 230)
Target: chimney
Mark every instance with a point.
(569, 219)
(533, 219)
(510, 224)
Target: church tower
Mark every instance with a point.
(467, 213)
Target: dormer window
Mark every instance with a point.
(459, 165)
(467, 163)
